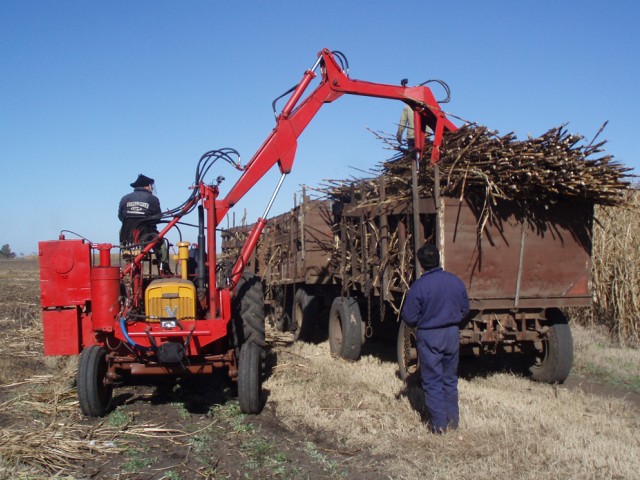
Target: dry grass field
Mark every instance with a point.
(324, 417)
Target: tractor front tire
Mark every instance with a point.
(250, 378)
(345, 328)
(94, 394)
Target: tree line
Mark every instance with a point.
(6, 252)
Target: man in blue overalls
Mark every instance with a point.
(436, 304)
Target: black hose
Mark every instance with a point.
(443, 85)
(342, 60)
(273, 104)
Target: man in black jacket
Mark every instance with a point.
(436, 304)
(139, 212)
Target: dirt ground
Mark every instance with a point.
(193, 428)
(186, 430)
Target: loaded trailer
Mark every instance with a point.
(352, 258)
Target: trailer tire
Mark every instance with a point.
(250, 378)
(281, 308)
(407, 351)
(94, 394)
(248, 311)
(282, 321)
(553, 361)
(345, 328)
(304, 314)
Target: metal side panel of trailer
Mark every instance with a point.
(296, 246)
(515, 259)
(540, 257)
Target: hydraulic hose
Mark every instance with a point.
(123, 328)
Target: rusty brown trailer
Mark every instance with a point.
(353, 259)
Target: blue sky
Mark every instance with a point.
(94, 92)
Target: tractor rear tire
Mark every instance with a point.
(94, 394)
(407, 351)
(554, 359)
(305, 315)
(248, 311)
(345, 328)
(250, 378)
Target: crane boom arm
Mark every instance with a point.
(281, 145)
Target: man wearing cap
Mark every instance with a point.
(436, 304)
(139, 212)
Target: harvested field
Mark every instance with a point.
(324, 418)
(510, 426)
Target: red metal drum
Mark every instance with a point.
(105, 293)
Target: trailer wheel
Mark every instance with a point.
(305, 312)
(282, 320)
(248, 311)
(345, 328)
(250, 378)
(407, 351)
(281, 309)
(94, 394)
(554, 357)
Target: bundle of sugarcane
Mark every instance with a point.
(555, 165)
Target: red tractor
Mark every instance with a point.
(133, 320)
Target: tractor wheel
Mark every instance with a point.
(345, 328)
(305, 313)
(407, 351)
(94, 393)
(554, 354)
(250, 378)
(248, 311)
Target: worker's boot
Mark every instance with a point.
(164, 269)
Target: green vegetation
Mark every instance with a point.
(182, 410)
(328, 465)
(118, 418)
(263, 454)
(171, 475)
(137, 459)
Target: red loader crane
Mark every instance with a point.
(135, 321)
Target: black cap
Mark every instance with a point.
(142, 181)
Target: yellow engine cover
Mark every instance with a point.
(170, 297)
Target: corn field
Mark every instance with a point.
(616, 270)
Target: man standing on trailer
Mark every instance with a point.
(436, 304)
(406, 123)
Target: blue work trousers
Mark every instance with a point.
(439, 350)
